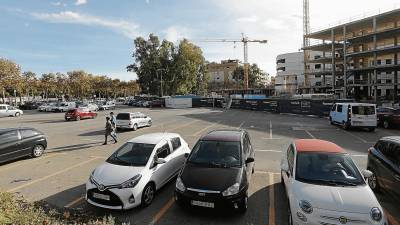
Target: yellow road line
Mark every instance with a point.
(205, 128)
(74, 202)
(271, 212)
(162, 211)
(48, 155)
(51, 175)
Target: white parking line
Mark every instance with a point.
(359, 155)
(308, 132)
(270, 129)
(263, 150)
(356, 136)
(205, 128)
(240, 126)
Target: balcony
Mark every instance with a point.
(390, 49)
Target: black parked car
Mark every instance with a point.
(19, 142)
(388, 117)
(217, 171)
(384, 162)
(30, 105)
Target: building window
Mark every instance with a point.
(378, 62)
(388, 61)
(280, 61)
(317, 66)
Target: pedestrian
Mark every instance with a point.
(109, 130)
(113, 121)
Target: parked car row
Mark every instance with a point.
(146, 103)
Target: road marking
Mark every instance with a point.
(162, 211)
(205, 128)
(184, 125)
(264, 150)
(272, 138)
(240, 126)
(51, 175)
(48, 155)
(271, 212)
(265, 172)
(359, 155)
(270, 129)
(74, 202)
(308, 132)
(356, 136)
(392, 220)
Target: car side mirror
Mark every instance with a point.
(186, 155)
(285, 168)
(366, 173)
(249, 160)
(160, 161)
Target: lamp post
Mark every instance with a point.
(161, 81)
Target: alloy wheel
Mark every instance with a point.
(148, 195)
(38, 151)
(17, 114)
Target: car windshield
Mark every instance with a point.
(327, 169)
(216, 154)
(123, 116)
(132, 154)
(363, 110)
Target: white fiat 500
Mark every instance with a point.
(132, 174)
(324, 186)
(128, 120)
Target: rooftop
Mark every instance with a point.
(316, 145)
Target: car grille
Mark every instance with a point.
(339, 220)
(203, 193)
(114, 199)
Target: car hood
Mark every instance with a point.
(353, 199)
(111, 174)
(216, 179)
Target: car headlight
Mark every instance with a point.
(376, 214)
(306, 206)
(232, 190)
(91, 178)
(131, 182)
(179, 185)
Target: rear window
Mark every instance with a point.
(363, 110)
(72, 110)
(123, 116)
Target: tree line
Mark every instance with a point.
(73, 84)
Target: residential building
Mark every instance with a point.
(361, 58)
(221, 73)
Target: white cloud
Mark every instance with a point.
(127, 28)
(58, 4)
(148, 1)
(250, 19)
(176, 33)
(80, 2)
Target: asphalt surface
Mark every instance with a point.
(75, 149)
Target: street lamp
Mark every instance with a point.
(161, 80)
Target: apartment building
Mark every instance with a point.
(221, 73)
(361, 58)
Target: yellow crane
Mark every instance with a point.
(245, 40)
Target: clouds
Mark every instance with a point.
(249, 19)
(80, 2)
(127, 28)
(176, 33)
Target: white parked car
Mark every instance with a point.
(7, 110)
(324, 186)
(64, 106)
(128, 120)
(107, 105)
(132, 174)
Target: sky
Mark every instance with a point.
(97, 35)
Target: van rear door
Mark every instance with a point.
(363, 116)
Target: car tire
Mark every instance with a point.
(330, 120)
(345, 126)
(148, 194)
(386, 124)
(37, 151)
(243, 204)
(149, 123)
(135, 127)
(373, 181)
(77, 118)
(372, 129)
(17, 114)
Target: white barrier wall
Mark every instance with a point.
(178, 103)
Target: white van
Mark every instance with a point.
(354, 115)
(128, 120)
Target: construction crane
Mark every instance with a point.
(245, 40)
(306, 41)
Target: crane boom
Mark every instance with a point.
(245, 41)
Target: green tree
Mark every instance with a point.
(10, 76)
(255, 75)
(29, 83)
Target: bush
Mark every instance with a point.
(15, 210)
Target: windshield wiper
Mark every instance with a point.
(335, 182)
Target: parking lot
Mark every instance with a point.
(75, 149)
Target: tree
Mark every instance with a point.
(10, 76)
(255, 75)
(29, 83)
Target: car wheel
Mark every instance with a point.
(17, 114)
(372, 129)
(149, 123)
(37, 151)
(330, 120)
(134, 127)
(373, 181)
(386, 124)
(243, 204)
(345, 126)
(78, 118)
(290, 219)
(148, 195)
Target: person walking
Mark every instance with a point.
(109, 130)
(113, 121)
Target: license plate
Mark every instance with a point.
(68, 117)
(101, 196)
(203, 204)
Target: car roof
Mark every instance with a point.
(355, 104)
(223, 135)
(317, 145)
(391, 138)
(153, 138)
(2, 130)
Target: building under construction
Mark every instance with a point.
(359, 59)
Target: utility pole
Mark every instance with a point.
(161, 81)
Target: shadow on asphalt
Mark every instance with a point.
(69, 148)
(93, 133)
